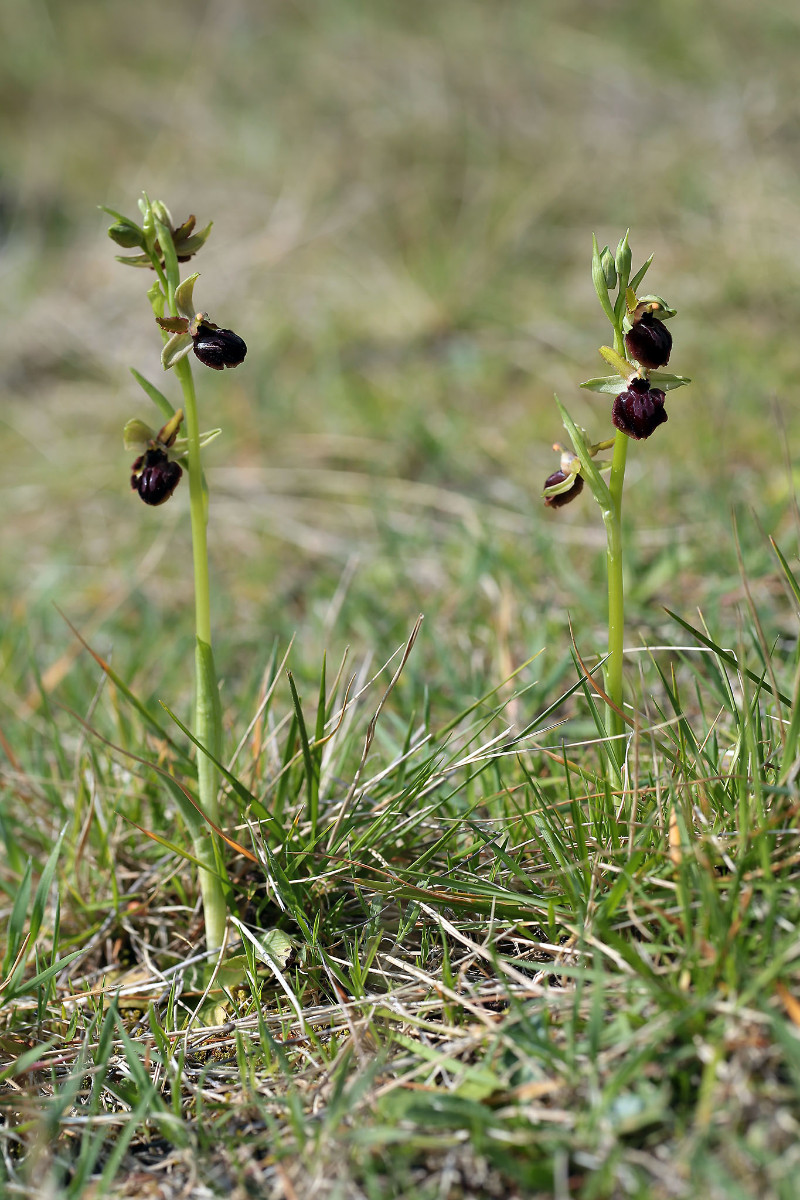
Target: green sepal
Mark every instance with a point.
(195, 242)
(588, 469)
(611, 384)
(668, 382)
(159, 399)
(175, 349)
(183, 297)
(137, 435)
(658, 307)
(599, 281)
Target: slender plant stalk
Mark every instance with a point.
(156, 473)
(208, 717)
(616, 601)
(616, 597)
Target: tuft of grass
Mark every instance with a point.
(460, 960)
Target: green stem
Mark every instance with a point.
(616, 598)
(616, 601)
(208, 720)
(207, 714)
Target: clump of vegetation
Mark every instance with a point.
(506, 953)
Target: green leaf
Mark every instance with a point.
(312, 774)
(30, 985)
(159, 399)
(16, 921)
(789, 575)
(640, 274)
(248, 799)
(26, 1060)
(43, 890)
(588, 469)
(728, 657)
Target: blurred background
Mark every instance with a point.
(403, 197)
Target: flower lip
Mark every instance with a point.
(155, 477)
(561, 498)
(218, 348)
(639, 410)
(649, 341)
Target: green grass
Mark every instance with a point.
(476, 970)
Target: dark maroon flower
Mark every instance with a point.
(639, 410)
(649, 342)
(562, 498)
(155, 477)
(218, 348)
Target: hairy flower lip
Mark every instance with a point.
(218, 348)
(649, 342)
(639, 410)
(155, 476)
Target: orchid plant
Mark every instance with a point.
(161, 247)
(642, 347)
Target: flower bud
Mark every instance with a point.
(561, 498)
(622, 260)
(126, 234)
(609, 268)
(218, 348)
(639, 410)
(155, 477)
(649, 341)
